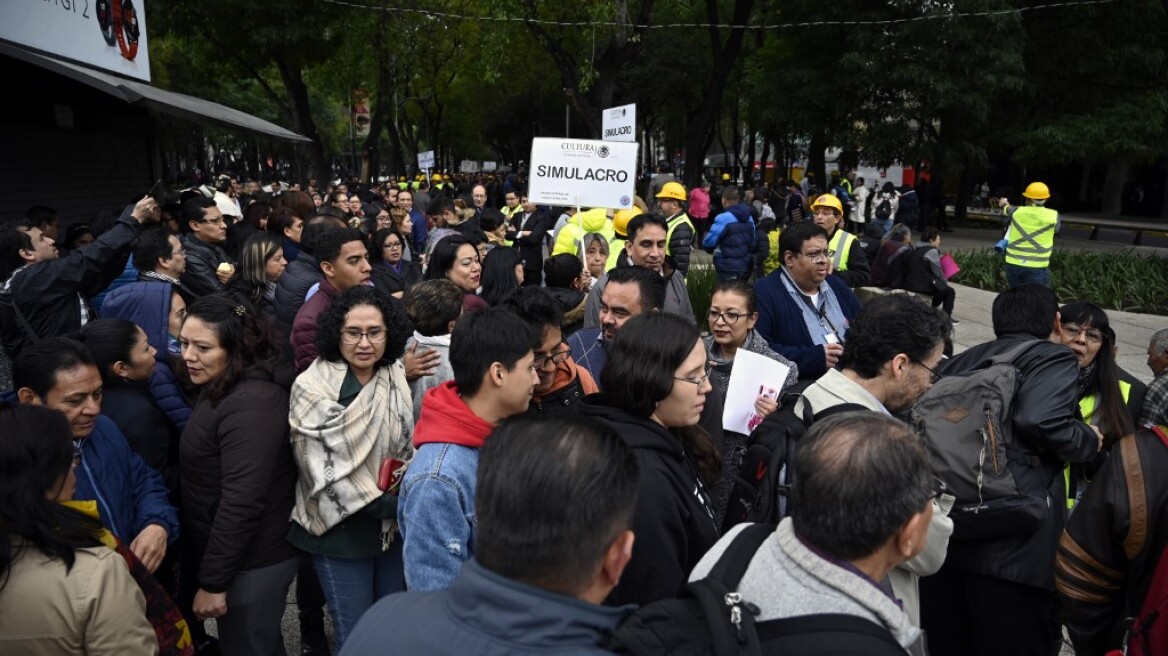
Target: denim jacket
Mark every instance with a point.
(436, 511)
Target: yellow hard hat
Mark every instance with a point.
(620, 220)
(437, 177)
(672, 190)
(446, 178)
(1037, 191)
(725, 177)
(827, 200)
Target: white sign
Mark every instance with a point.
(619, 123)
(468, 166)
(113, 40)
(753, 375)
(490, 166)
(582, 172)
(426, 160)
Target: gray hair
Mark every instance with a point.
(900, 232)
(1159, 341)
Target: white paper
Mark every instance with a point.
(752, 374)
(426, 159)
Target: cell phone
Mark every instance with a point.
(155, 190)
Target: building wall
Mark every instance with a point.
(101, 162)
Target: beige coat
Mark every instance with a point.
(95, 609)
(834, 388)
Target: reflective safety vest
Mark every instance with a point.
(841, 243)
(1030, 238)
(1087, 407)
(773, 260)
(616, 250)
(672, 224)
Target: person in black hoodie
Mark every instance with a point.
(655, 386)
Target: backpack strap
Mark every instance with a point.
(837, 634)
(10, 301)
(836, 409)
(731, 567)
(729, 618)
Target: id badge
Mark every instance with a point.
(830, 338)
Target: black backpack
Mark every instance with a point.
(760, 489)
(883, 209)
(710, 617)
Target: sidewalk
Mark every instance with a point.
(1132, 331)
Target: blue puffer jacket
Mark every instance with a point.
(732, 240)
(148, 305)
(129, 494)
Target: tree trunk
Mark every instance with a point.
(1164, 206)
(1113, 185)
(963, 196)
(1085, 184)
(815, 158)
(302, 116)
(704, 121)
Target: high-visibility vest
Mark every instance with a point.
(1087, 407)
(1030, 238)
(841, 243)
(616, 250)
(672, 224)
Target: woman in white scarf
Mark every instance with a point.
(351, 422)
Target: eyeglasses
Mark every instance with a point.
(393, 245)
(933, 375)
(730, 318)
(353, 337)
(697, 381)
(556, 358)
(1074, 330)
(819, 255)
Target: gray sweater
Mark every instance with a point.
(787, 579)
(442, 373)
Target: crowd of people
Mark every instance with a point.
(459, 422)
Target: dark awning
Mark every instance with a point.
(167, 102)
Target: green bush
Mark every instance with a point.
(1118, 281)
(700, 283)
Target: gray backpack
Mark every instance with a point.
(966, 423)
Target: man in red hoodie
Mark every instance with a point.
(491, 353)
(562, 383)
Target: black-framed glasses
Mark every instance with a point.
(557, 358)
(352, 337)
(934, 376)
(730, 318)
(699, 380)
(1073, 330)
(392, 245)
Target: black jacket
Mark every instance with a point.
(571, 303)
(1046, 419)
(239, 479)
(300, 275)
(203, 260)
(49, 294)
(390, 281)
(531, 246)
(1110, 549)
(924, 273)
(674, 527)
(147, 429)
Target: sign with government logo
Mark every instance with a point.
(619, 123)
(582, 172)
